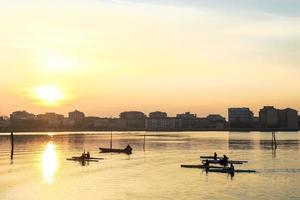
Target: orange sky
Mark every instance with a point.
(104, 57)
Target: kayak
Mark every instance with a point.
(210, 157)
(90, 158)
(82, 159)
(109, 150)
(238, 162)
(200, 166)
(227, 170)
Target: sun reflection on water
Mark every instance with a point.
(49, 163)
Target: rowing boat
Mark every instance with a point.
(228, 170)
(82, 159)
(211, 157)
(127, 150)
(200, 166)
(90, 158)
(238, 162)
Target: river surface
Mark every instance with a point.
(39, 169)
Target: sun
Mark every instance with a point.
(49, 94)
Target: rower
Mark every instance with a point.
(88, 155)
(128, 148)
(206, 165)
(215, 156)
(224, 161)
(231, 170)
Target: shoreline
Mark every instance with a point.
(143, 130)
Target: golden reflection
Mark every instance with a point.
(50, 134)
(49, 163)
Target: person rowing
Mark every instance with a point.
(231, 169)
(206, 166)
(215, 156)
(224, 161)
(128, 148)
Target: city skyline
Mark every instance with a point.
(269, 118)
(107, 56)
(255, 114)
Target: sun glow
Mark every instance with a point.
(49, 163)
(49, 94)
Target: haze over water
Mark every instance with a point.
(40, 170)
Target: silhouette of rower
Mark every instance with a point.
(128, 149)
(206, 166)
(215, 156)
(231, 170)
(224, 161)
(231, 167)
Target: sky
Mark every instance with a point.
(107, 56)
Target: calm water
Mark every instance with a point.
(40, 170)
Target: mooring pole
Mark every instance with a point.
(275, 141)
(272, 139)
(12, 145)
(111, 139)
(144, 146)
(110, 126)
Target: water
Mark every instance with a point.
(40, 170)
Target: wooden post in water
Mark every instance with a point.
(12, 145)
(110, 126)
(274, 143)
(144, 145)
(272, 140)
(110, 139)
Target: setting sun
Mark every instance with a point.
(49, 94)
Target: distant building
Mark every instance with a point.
(118, 124)
(163, 124)
(49, 116)
(158, 114)
(4, 123)
(189, 121)
(216, 121)
(256, 123)
(51, 119)
(132, 115)
(269, 117)
(288, 118)
(22, 115)
(240, 117)
(22, 120)
(77, 116)
(135, 120)
(89, 122)
(216, 118)
(108, 124)
(4, 118)
(68, 123)
(186, 115)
